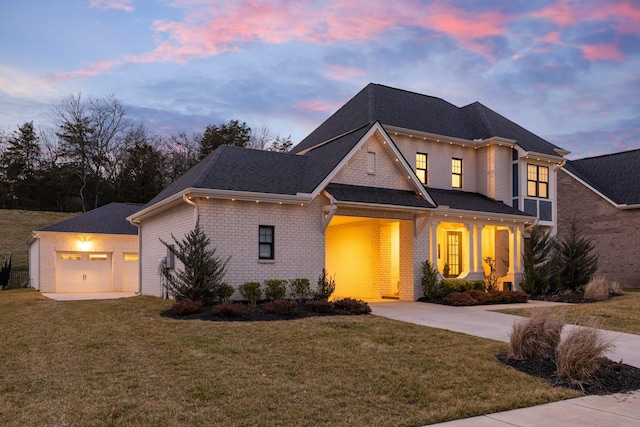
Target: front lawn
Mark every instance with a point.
(620, 313)
(118, 362)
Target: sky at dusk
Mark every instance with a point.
(567, 70)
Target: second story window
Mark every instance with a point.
(456, 173)
(421, 167)
(538, 181)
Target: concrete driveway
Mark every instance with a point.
(613, 410)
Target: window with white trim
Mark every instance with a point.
(456, 173)
(537, 181)
(421, 167)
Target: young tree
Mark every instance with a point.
(539, 268)
(576, 261)
(231, 133)
(203, 271)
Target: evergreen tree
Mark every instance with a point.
(539, 270)
(576, 261)
(20, 165)
(203, 271)
(232, 133)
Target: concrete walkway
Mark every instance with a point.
(91, 296)
(612, 410)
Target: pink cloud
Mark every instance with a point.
(563, 13)
(341, 72)
(112, 4)
(315, 106)
(602, 52)
(96, 68)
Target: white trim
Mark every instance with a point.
(614, 204)
(376, 127)
(446, 211)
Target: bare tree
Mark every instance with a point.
(181, 153)
(91, 137)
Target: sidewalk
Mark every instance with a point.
(612, 410)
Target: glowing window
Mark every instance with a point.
(97, 257)
(131, 257)
(456, 173)
(70, 257)
(421, 167)
(538, 181)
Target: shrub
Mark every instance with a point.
(580, 354)
(508, 297)
(325, 287)
(461, 285)
(615, 288)
(491, 280)
(353, 306)
(251, 292)
(459, 299)
(224, 292)
(430, 281)
(319, 306)
(539, 250)
(536, 337)
(575, 260)
(202, 271)
(229, 309)
(184, 307)
(597, 289)
(281, 307)
(300, 288)
(275, 289)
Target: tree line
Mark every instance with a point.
(94, 153)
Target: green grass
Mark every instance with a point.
(117, 362)
(620, 313)
(16, 227)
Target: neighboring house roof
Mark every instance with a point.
(410, 110)
(616, 176)
(108, 219)
(377, 196)
(476, 202)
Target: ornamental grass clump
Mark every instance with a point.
(580, 354)
(536, 337)
(600, 289)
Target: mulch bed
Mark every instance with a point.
(255, 314)
(574, 297)
(613, 377)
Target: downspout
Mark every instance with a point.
(188, 200)
(137, 225)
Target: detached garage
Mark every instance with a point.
(96, 252)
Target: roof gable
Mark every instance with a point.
(410, 110)
(616, 176)
(107, 219)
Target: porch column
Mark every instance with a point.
(473, 265)
(513, 251)
(479, 228)
(434, 243)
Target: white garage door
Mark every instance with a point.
(84, 272)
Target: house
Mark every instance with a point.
(391, 179)
(94, 252)
(602, 194)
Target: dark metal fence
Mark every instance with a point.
(18, 277)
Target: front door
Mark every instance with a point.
(454, 253)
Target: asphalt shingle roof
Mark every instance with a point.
(246, 170)
(476, 202)
(617, 176)
(378, 196)
(108, 219)
(410, 110)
